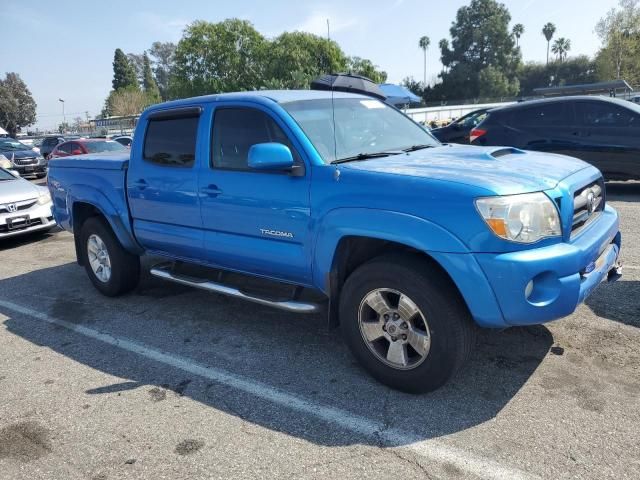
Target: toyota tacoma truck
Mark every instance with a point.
(313, 201)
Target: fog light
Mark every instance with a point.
(528, 289)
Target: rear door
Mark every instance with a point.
(254, 221)
(545, 127)
(162, 185)
(611, 139)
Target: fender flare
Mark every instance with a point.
(401, 228)
(117, 218)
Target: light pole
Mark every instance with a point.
(64, 118)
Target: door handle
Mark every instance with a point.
(140, 184)
(211, 191)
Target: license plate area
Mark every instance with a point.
(16, 223)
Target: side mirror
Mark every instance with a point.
(270, 157)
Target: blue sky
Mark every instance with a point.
(64, 49)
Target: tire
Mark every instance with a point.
(441, 326)
(124, 272)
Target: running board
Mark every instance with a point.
(166, 272)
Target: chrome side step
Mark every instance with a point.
(166, 272)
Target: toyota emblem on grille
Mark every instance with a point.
(12, 207)
(591, 203)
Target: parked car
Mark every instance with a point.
(602, 131)
(317, 199)
(23, 158)
(124, 140)
(49, 143)
(458, 131)
(24, 207)
(83, 146)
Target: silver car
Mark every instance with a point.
(24, 207)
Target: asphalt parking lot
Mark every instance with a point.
(174, 383)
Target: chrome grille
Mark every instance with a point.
(25, 161)
(21, 205)
(588, 203)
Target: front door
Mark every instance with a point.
(162, 184)
(255, 222)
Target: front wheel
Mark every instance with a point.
(406, 323)
(111, 269)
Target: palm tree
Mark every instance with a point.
(424, 45)
(548, 30)
(518, 30)
(561, 47)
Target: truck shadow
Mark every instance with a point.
(617, 301)
(297, 355)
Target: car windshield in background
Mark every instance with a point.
(106, 146)
(4, 175)
(364, 126)
(9, 144)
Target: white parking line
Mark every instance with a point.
(432, 450)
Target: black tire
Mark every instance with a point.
(451, 328)
(125, 266)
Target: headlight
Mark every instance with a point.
(44, 198)
(523, 218)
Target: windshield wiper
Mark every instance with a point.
(413, 148)
(366, 156)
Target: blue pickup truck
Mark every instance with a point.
(317, 201)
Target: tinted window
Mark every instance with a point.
(50, 142)
(601, 114)
(236, 130)
(65, 148)
(76, 149)
(551, 114)
(171, 141)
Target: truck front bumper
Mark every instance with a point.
(540, 284)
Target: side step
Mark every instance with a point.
(167, 272)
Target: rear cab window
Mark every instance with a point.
(170, 139)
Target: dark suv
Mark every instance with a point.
(602, 131)
(48, 144)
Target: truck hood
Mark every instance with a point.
(502, 170)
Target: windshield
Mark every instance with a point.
(363, 126)
(4, 176)
(9, 144)
(106, 146)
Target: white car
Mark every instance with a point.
(24, 207)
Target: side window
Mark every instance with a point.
(235, 130)
(171, 141)
(65, 148)
(542, 115)
(600, 114)
(76, 149)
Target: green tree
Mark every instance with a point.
(17, 106)
(480, 38)
(619, 32)
(137, 62)
(148, 82)
(494, 84)
(548, 31)
(572, 71)
(218, 57)
(366, 68)
(124, 74)
(296, 58)
(517, 32)
(561, 47)
(162, 56)
(424, 45)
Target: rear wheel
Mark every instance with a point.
(406, 323)
(111, 269)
